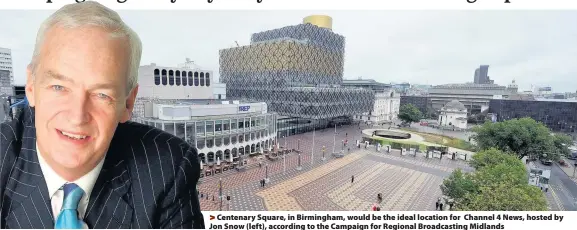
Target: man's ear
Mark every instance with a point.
(29, 88)
(130, 100)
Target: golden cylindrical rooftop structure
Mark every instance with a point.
(323, 21)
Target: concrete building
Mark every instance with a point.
(298, 71)
(6, 83)
(423, 103)
(369, 84)
(475, 97)
(387, 101)
(482, 75)
(560, 115)
(453, 114)
(6, 62)
(187, 102)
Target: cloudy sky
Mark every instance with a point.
(420, 47)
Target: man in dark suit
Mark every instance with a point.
(72, 158)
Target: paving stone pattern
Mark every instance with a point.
(406, 182)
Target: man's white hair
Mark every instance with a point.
(91, 13)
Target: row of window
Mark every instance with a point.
(226, 140)
(3, 67)
(5, 53)
(178, 78)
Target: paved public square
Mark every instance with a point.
(406, 182)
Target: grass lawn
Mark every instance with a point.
(445, 140)
(385, 141)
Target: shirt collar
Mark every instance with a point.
(54, 182)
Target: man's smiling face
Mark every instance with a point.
(79, 92)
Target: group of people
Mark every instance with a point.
(439, 204)
(377, 206)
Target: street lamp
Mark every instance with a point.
(220, 192)
(266, 173)
(335, 138)
(574, 167)
(284, 157)
(299, 161)
(299, 144)
(313, 149)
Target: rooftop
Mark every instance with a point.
(556, 100)
(454, 104)
(199, 101)
(469, 85)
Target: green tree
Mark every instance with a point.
(492, 157)
(458, 185)
(504, 197)
(561, 143)
(524, 137)
(409, 113)
(498, 184)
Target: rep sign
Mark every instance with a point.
(244, 108)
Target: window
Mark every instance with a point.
(200, 127)
(207, 79)
(190, 78)
(157, 77)
(184, 81)
(164, 80)
(195, 78)
(178, 77)
(201, 79)
(218, 126)
(171, 77)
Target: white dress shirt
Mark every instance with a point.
(54, 182)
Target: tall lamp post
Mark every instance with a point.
(284, 157)
(266, 173)
(313, 149)
(574, 167)
(220, 192)
(299, 144)
(335, 138)
(299, 167)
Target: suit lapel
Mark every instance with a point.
(29, 205)
(108, 206)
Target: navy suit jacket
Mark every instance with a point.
(148, 180)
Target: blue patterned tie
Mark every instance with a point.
(68, 217)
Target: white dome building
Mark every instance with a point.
(453, 114)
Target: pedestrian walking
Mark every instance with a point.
(441, 206)
(437, 204)
(352, 179)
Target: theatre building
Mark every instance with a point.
(185, 101)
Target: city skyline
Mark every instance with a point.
(420, 47)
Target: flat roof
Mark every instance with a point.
(555, 100)
(198, 102)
